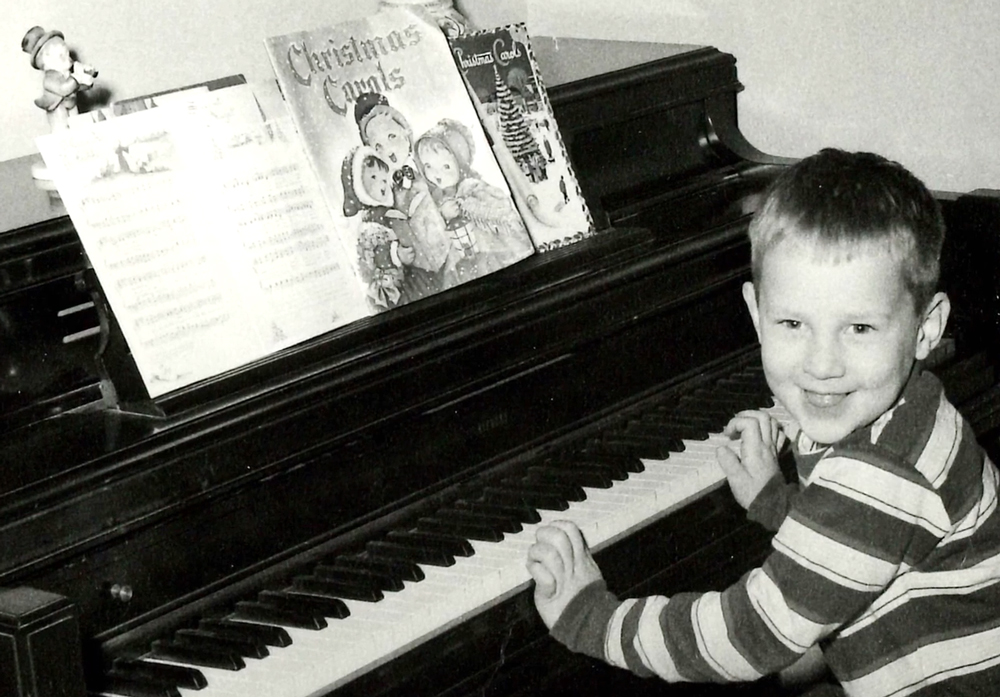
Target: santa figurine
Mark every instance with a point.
(63, 77)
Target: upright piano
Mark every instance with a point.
(350, 516)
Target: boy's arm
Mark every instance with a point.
(768, 619)
(772, 504)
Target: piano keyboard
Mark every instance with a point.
(356, 612)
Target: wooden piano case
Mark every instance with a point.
(147, 522)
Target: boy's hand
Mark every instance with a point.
(562, 566)
(761, 439)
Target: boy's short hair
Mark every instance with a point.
(843, 200)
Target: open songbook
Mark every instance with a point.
(221, 235)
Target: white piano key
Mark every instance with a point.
(375, 633)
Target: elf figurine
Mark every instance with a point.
(63, 77)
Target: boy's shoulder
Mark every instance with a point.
(923, 438)
(901, 436)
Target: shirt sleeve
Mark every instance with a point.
(845, 538)
(772, 503)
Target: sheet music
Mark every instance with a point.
(208, 234)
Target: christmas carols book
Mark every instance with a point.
(399, 153)
(505, 85)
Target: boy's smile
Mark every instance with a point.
(838, 333)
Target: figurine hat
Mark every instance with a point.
(34, 40)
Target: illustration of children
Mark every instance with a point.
(367, 183)
(63, 77)
(484, 224)
(388, 133)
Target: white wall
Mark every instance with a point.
(916, 81)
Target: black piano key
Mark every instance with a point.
(635, 445)
(375, 579)
(468, 529)
(198, 638)
(306, 603)
(679, 427)
(383, 549)
(136, 687)
(198, 656)
(593, 454)
(403, 570)
(522, 513)
(615, 471)
(569, 491)
(586, 477)
(662, 437)
(139, 670)
(499, 522)
(269, 634)
(526, 497)
(337, 589)
(283, 617)
(451, 543)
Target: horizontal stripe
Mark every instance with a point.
(814, 597)
(979, 513)
(649, 642)
(613, 651)
(916, 585)
(884, 491)
(920, 622)
(851, 523)
(715, 646)
(832, 560)
(796, 632)
(939, 454)
(930, 664)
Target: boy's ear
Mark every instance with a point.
(750, 298)
(932, 326)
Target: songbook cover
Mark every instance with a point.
(400, 154)
(505, 84)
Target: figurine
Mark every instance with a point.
(64, 78)
(452, 22)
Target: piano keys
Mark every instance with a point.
(238, 521)
(649, 465)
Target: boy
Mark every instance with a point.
(887, 553)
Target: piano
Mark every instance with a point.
(350, 516)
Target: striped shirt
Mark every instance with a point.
(887, 555)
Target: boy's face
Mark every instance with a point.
(376, 183)
(440, 166)
(838, 336)
(389, 139)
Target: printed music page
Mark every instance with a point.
(208, 234)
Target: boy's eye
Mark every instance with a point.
(862, 328)
(790, 323)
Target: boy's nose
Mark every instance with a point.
(824, 359)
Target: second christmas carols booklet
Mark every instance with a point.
(400, 154)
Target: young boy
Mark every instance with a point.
(887, 552)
